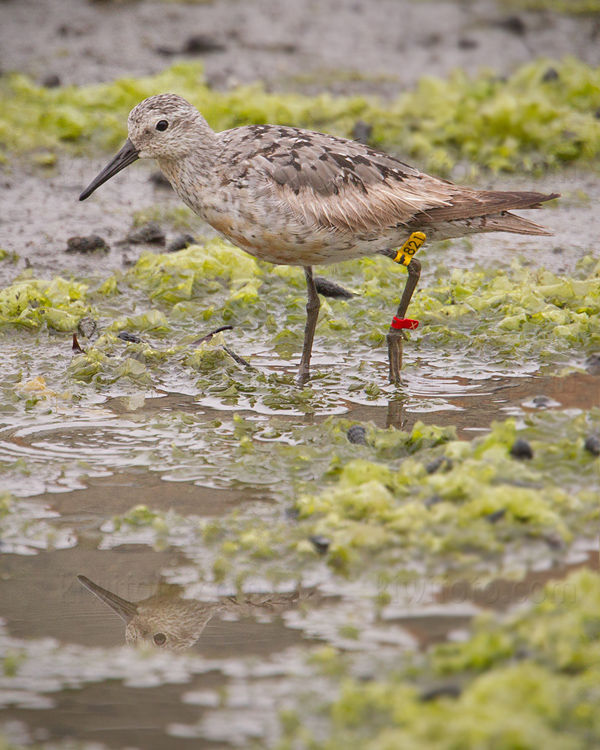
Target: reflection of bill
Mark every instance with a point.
(163, 619)
(167, 621)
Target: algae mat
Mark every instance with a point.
(296, 588)
(308, 572)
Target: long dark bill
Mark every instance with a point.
(126, 610)
(126, 156)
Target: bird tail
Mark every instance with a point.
(507, 222)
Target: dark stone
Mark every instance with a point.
(496, 515)
(433, 500)
(320, 543)
(541, 402)
(131, 338)
(467, 43)
(200, 44)
(159, 180)
(513, 24)
(51, 81)
(592, 363)
(438, 463)
(592, 444)
(328, 288)
(550, 75)
(90, 244)
(447, 690)
(362, 132)
(150, 234)
(87, 327)
(521, 450)
(180, 243)
(357, 435)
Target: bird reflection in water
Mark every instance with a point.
(168, 621)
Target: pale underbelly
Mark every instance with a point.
(302, 247)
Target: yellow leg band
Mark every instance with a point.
(410, 247)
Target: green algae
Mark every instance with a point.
(35, 303)
(518, 316)
(529, 681)
(471, 321)
(393, 505)
(518, 123)
(572, 7)
(402, 512)
(25, 527)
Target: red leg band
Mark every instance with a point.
(405, 323)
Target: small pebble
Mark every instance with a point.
(129, 337)
(448, 690)
(362, 132)
(541, 402)
(466, 43)
(496, 515)
(438, 463)
(592, 363)
(150, 233)
(592, 444)
(514, 24)
(180, 243)
(320, 543)
(201, 44)
(90, 244)
(328, 288)
(550, 75)
(521, 450)
(433, 500)
(87, 327)
(51, 81)
(357, 435)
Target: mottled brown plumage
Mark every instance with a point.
(298, 197)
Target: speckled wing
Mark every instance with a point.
(335, 183)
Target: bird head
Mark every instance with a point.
(164, 127)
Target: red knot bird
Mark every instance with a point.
(297, 197)
(163, 619)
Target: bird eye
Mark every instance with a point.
(160, 638)
(162, 125)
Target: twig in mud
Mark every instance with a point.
(76, 347)
(236, 357)
(209, 336)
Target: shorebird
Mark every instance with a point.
(163, 619)
(167, 621)
(297, 197)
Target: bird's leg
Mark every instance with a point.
(312, 316)
(394, 337)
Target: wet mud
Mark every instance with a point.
(194, 486)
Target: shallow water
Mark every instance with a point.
(92, 463)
